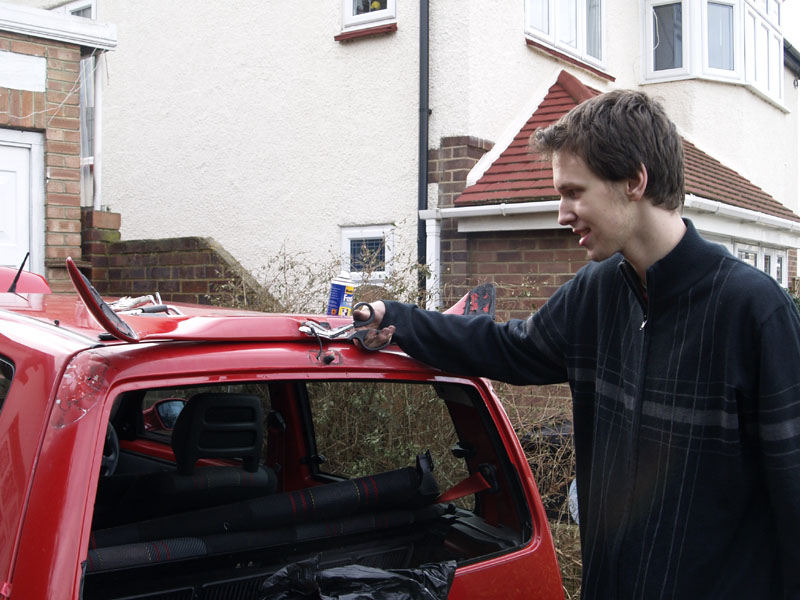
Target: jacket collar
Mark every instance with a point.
(685, 265)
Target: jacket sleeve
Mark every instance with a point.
(779, 434)
(518, 352)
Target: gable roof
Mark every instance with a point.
(519, 175)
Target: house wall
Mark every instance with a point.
(255, 128)
(249, 124)
(55, 112)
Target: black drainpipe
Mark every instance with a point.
(424, 112)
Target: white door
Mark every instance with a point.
(21, 199)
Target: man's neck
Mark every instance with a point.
(659, 232)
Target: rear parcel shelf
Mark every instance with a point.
(406, 488)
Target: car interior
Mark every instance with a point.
(209, 491)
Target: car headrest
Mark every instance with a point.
(214, 425)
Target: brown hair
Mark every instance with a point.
(616, 132)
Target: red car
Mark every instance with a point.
(172, 452)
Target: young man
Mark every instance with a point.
(684, 367)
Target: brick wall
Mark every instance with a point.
(56, 112)
(187, 269)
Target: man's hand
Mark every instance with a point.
(377, 336)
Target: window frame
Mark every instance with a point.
(384, 232)
(352, 22)
(737, 73)
(649, 42)
(762, 253)
(745, 46)
(551, 38)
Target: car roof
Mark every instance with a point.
(185, 321)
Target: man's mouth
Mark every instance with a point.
(584, 235)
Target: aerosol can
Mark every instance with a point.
(340, 301)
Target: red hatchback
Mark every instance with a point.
(194, 452)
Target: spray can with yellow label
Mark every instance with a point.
(340, 301)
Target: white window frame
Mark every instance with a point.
(77, 5)
(352, 22)
(650, 42)
(774, 254)
(384, 232)
(737, 73)
(552, 38)
(757, 65)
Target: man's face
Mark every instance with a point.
(597, 210)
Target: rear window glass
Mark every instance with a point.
(369, 427)
(6, 375)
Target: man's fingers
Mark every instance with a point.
(362, 314)
(375, 338)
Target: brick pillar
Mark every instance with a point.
(99, 229)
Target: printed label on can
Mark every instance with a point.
(340, 300)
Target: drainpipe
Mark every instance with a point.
(97, 168)
(424, 111)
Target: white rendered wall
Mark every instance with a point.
(248, 123)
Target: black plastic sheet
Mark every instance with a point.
(306, 581)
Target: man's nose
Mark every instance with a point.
(565, 214)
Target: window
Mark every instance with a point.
(770, 260)
(738, 41)
(6, 375)
(361, 14)
(668, 36)
(369, 427)
(720, 36)
(367, 252)
(571, 26)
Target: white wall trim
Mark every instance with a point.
(709, 216)
(54, 26)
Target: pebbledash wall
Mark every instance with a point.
(54, 111)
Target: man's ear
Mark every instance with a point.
(636, 186)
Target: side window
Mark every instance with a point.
(367, 252)
(6, 375)
(363, 428)
(359, 14)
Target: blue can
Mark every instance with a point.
(340, 300)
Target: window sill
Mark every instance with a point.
(570, 59)
(366, 32)
(779, 104)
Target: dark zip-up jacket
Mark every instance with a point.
(686, 417)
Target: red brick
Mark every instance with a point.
(28, 48)
(73, 174)
(60, 53)
(62, 147)
(65, 123)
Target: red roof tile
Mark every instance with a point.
(518, 175)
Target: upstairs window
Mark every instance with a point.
(739, 41)
(668, 36)
(363, 14)
(574, 27)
